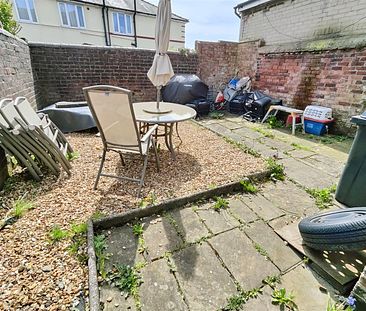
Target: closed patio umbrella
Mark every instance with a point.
(161, 70)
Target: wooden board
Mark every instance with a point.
(340, 269)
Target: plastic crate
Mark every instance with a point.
(315, 128)
(318, 113)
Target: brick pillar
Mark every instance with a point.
(3, 168)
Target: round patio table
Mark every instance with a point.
(177, 113)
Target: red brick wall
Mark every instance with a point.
(335, 79)
(61, 71)
(217, 62)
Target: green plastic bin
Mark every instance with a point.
(351, 190)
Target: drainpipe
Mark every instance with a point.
(104, 25)
(134, 23)
(108, 28)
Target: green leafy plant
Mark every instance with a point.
(138, 229)
(264, 132)
(216, 115)
(261, 250)
(20, 207)
(323, 197)
(151, 199)
(280, 297)
(97, 215)
(57, 234)
(126, 278)
(71, 156)
(220, 203)
(77, 234)
(277, 171)
(300, 147)
(337, 307)
(7, 19)
(100, 246)
(248, 186)
(273, 122)
(236, 302)
(272, 281)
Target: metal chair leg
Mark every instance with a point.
(143, 174)
(100, 169)
(156, 156)
(122, 160)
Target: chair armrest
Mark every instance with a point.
(44, 117)
(149, 133)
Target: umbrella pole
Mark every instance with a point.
(158, 97)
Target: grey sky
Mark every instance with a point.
(209, 20)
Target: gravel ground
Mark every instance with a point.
(38, 275)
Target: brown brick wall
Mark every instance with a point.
(62, 71)
(217, 62)
(333, 79)
(16, 77)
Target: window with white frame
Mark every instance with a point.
(122, 23)
(72, 15)
(26, 10)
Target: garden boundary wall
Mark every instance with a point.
(16, 78)
(61, 71)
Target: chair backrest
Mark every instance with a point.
(26, 112)
(9, 113)
(3, 102)
(113, 113)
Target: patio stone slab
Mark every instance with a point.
(205, 283)
(262, 207)
(218, 221)
(113, 300)
(231, 125)
(280, 254)
(239, 210)
(218, 128)
(247, 132)
(159, 290)
(326, 164)
(189, 225)
(301, 154)
(122, 245)
(290, 198)
(307, 175)
(160, 236)
(277, 144)
(237, 251)
(262, 303)
(305, 287)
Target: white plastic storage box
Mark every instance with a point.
(318, 113)
(316, 119)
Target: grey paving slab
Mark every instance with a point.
(290, 198)
(231, 125)
(240, 211)
(218, 128)
(112, 299)
(277, 144)
(264, 208)
(281, 255)
(159, 290)
(247, 132)
(205, 283)
(307, 175)
(122, 245)
(218, 221)
(301, 154)
(160, 237)
(262, 303)
(189, 224)
(238, 253)
(283, 221)
(326, 164)
(305, 287)
(266, 151)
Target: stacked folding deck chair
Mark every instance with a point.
(32, 138)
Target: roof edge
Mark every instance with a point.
(250, 4)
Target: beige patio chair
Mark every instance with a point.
(113, 113)
(30, 117)
(34, 140)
